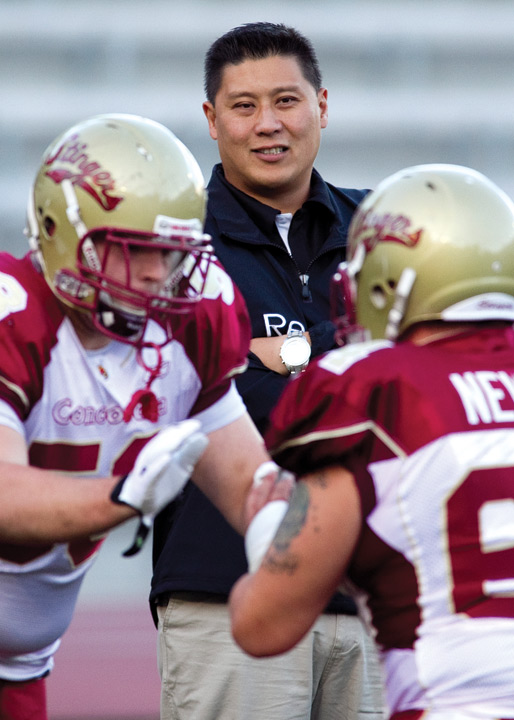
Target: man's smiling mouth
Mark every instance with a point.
(272, 151)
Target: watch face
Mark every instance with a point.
(296, 351)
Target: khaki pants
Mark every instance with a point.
(332, 674)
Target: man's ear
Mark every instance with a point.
(210, 114)
(323, 106)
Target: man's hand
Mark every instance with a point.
(270, 483)
(160, 472)
(266, 506)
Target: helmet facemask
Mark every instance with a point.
(343, 301)
(343, 295)
(118, 308)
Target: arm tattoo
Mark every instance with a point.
(294, 519)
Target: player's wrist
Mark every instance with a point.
(117, 491)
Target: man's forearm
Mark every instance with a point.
(41, 506)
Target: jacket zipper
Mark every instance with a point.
(306, 293)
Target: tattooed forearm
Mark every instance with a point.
(296, 516)
(280, 558)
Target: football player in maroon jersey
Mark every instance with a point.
(120, 336)
(404, 441)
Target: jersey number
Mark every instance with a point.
(480, 516)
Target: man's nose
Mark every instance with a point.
(268, 120)
(151, 267)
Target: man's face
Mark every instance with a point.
(142, 269)
(267, 120)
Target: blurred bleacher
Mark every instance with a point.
(409, 81)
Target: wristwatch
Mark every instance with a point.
(295, 351)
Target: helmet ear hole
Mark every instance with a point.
(49, 226)
(378, 297)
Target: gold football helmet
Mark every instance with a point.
(431, 242)
(125, 182)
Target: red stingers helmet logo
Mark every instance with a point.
(372, 228)
(72, 162)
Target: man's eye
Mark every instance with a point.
(169, 256)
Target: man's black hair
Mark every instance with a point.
(256, 41)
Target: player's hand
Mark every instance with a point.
(270, 482)
(160, 472)
(266, 506)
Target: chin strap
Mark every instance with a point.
(145, 397)
(145, 525)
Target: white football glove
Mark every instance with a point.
(160, 472)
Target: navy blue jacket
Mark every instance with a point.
(194, 547)
(263, 270)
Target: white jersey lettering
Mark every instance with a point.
(487, 396)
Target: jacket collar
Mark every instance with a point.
(228, 209)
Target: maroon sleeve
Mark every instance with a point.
(29, 319)
(314, 422)
(216, 336)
